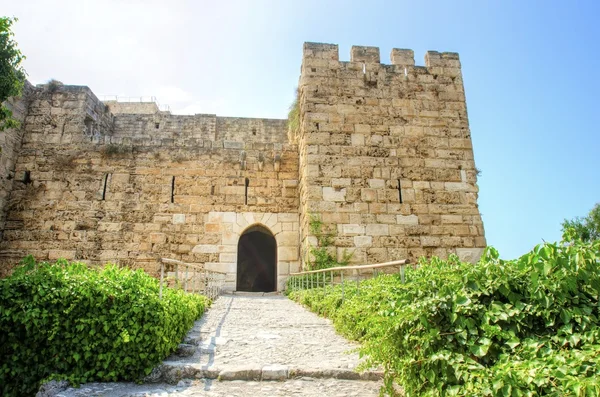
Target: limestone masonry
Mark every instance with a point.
(383, 158)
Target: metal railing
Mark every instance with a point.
(191, 278)
(118, 98)
(332, 276)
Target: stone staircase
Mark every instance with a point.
(253, 344)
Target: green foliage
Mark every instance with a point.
(12, 74)
(69, 321)
(294, 115)
(322, 257)
(54, 85)
(525, 327)
(586, 229)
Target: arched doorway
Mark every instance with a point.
(257, 261)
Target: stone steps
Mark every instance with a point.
(211, 388)
(253, 345)
(174, 372)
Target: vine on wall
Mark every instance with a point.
(321, 257)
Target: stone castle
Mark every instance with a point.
(382, 157)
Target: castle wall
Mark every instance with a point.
(383, 158)
(386, 160)
(10, 144)
(131, 188)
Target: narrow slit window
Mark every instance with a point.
(212, 190)
(173, 189)
(247, 183)
(399, 192)
(27, 177)
(105, 185)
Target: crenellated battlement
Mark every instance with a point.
(319, 54)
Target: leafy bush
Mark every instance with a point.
(294, 115)
(12, 73)
(66, 320)
(525, 327)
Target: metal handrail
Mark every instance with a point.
(306, 279)
(119, 98)
(356, 267)
(202, 280)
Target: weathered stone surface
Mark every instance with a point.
(185, 350)
(384, 158)
(303, 386)
(408, 152)
(52, 388)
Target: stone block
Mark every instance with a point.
(352, 229)
(290, 239)
(368, 195)
(333, 194)
(376, 183)
(271, 220)
(452, 219)
(364, 54)
(233, 145)
(212, 227)
(287, 253)
(157, 238)
(229, 238)
(229, 268)
(407, 219)
(61, 254)
(341, 182)
(363, 241)
(205, 249)
(358, 139)
(178, 219)
(227, 257)
(377, 230)
(402, 57)
(430, 241)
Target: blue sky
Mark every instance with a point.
(529, 67)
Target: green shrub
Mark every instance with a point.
(66, 320)
(525, 327)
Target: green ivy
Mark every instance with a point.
(69, 321)
(320, 256)
(525, 327)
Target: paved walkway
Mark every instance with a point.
(254, 345)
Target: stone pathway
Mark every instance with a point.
(253, 345)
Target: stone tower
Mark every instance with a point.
(386, 159)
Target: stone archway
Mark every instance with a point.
(257, 260)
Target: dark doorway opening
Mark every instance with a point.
(257, 261)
